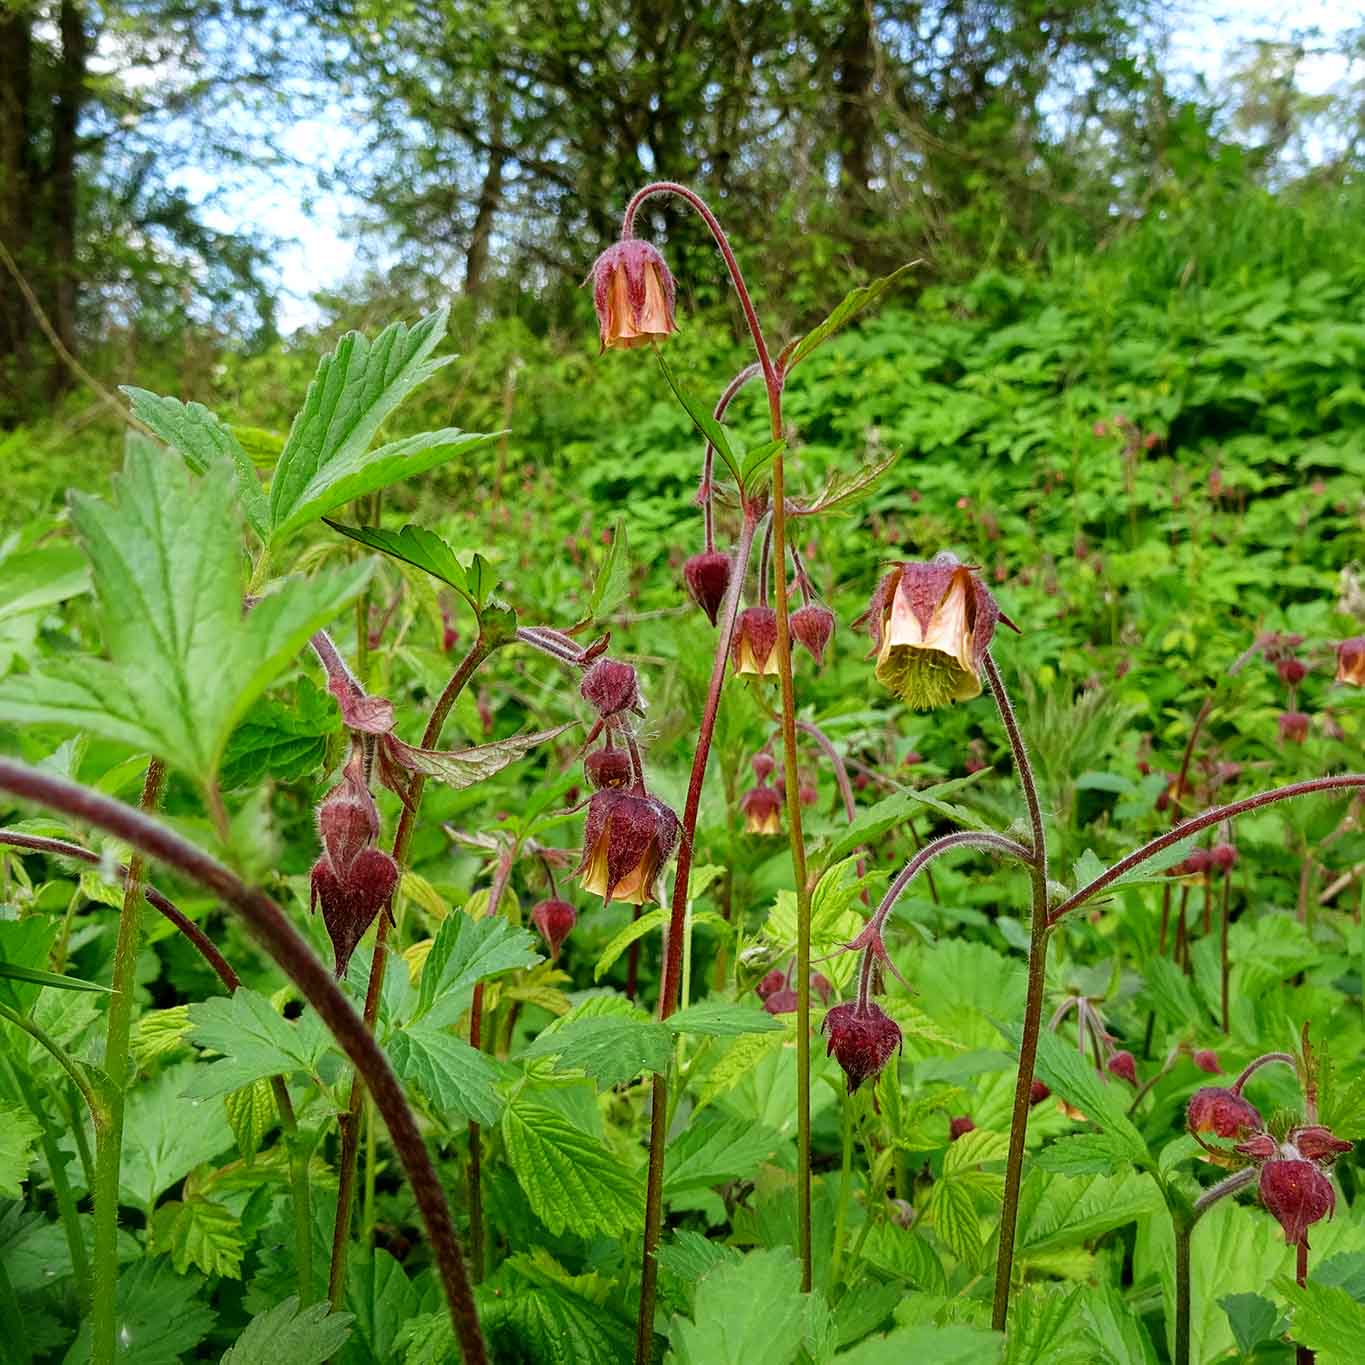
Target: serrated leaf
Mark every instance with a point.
(707, 1154)
(1169, 993)
(19, 1130)
(251, 1115)
(954, 1344)
(843, 489)
(160, 1317)
(544, 1323)
(701, 417)
(460, 768)
(201, 1234)
(1047, 1327)
(570, 1181)
(458, 1080)
(382, 1299)
(165, 1136)
(613, 578)
(636, 929)
(283, 741)
(1082, 1154)
(723, 1019)
(1325, 1319)
(1070, 1076)
(610, 1050)
(255, 1041)
(952, 1211)
(1061, 1211)
(975, 1148)
(853, 303)
(902, 1252)
(737, 1062)
(424, 550)
(466, 951)
(185, 663)
(748, 1312)
(1252, 1317)
(284, 1335)
(204, 441)
(874, 822)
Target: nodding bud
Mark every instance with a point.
(1351, 661)
(707, 576)
(1316, 1143)
(821, 987)
(1198, 863)
(812, 626)
(762, 808)
(1294, 727)
(960, 1127)
(348, 820)
(861, 1039)
(763, 765)
(1123, 1065)
(611, 687)
(626, 840)
(807, 793)
(1292, 671)
(351, 898)
(1298, 1195)
(1224, 857)
(607, 768)
(633, 293)
(1216, 1109)
(754, 647)
(771, 983)
(1038, 1092)
(554, 918)
(1206, 1059)
(931, 624)
(782, 1001)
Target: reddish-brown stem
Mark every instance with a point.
(1223, 968)
(271, 928)
(1303, 1355)
(1177, 796)
(1256, 1063)
(1196, 823)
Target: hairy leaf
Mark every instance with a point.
(610, 1050)
(458, 1080)
(19, 1130)
(284, 1335)
(201, 1234)
(255, 1041)
(466, 951)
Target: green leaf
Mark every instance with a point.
(19, 1130)
(1103, 1102)
(201, 1234)
(707, 1154)
(843, 489)
(461, 768)
(1325, 1319)
(571, 1182)
(165, 1136)
(327, 459)
(467, 951)
(1169, 993)
(951, 1345)
(255, 1041)
(1253, 1319)
(1063, 1211)
(636, 929)
(852, 304)
(748, 1312)
(952, 1210)
(279, 740)
(160, 1317)
(204, 442)
(872, 823)
(543, 1320)
(613, 578)
(703, 420)
(251, 1114)
(35, 579)
(723, 1019)
(736, 1062)
(756, 461)
(458, 1080)
(902, 1252)
(610, 1050)
(426, 551)
(186, 664)
(382, 1299)
(1047, 1327)
(285, 1336)
(12, 971)
(1083, 1154)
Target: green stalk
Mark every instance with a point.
(298, 1182)
(109, 1123)
(841, 1218)
(12, 1322)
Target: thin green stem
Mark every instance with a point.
(109, 1123)
(846, 1179)
(298, 1182)
(59, 1053)
(12, 1321)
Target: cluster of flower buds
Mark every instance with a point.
(352, 880)
(634, 294)
(779, 996)
(1290, 1170)
(1202, 862)
(931, 625)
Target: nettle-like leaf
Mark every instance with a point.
(613, 578)
(571, 1182)
(327, 459)
(284, 1335)
(610, 1050)
(1100, 1099)
(200, 1233)
(707, 1154)
(281, 740)
(204, 442)
(723, 1019)
(161, 1318)
(255, 1042)
(19, 1130)
(185, 663)
(467, 951)
(382, 1298)
(458, 1081)
(1326, 1319)
(426, 550)
(251, 1115)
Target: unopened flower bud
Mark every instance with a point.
(607, 768)
(1298, 1195)
(807, 793)
(1316, 1143)
(762, 808)
(1292, 671)
(1258, 1147)
(633, 293)
(1294, 727)
(812, 627)
(960, 1127)
(1224, 857)
(1206, 1059)
(1038, 1092)
(1123, 1065)
(554, 918)
(348, 821)
(931, 624)
(611, 687)
(1351, 661)
(782, 1001)
(351, 898)
(861, 1039)
(626, 840)
(1216, 1109)
(707, 576)
(754, 648)
(763, 764)
(821, 986)
(1198, 863)
(774, 981)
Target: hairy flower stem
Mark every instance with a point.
(1033, 1000)
(671, 981)
(109, 1122)
(1184, 1216)
(1303, 1355)
(271, 929)
(348, 1122)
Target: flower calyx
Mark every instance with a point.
(707, 576)
(627, 838)
(862, 1038)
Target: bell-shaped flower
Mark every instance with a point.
(627, 839)
(634, 293)
(754, 646)
(762, 808)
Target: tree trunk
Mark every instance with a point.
(853, 82)
(16, 48)
(490, 198)
(62, 183)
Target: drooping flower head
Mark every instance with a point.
(1123, 1065)
(754, 647)
(762, 808)
(1297, 1194)
(707, 576)
(931, 624)
(960, 1126)
(627, 838)
(611, 687)
(1294, 727)
(812, 627)
(1216, 1109)
(773, 981)
(554, 918)
(607, 768)
(862, 1038)
(633, 293)
(1205, 1058)
(1351, 661)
